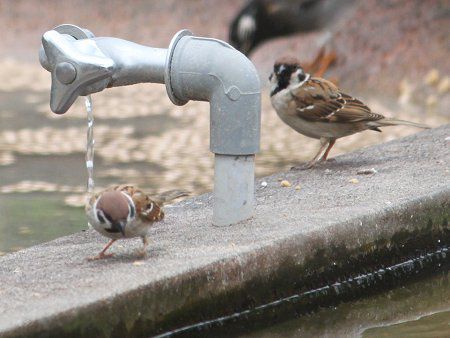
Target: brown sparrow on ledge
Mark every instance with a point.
(125, 211)
(316, 108)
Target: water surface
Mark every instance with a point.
(419, 309)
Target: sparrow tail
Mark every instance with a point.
(170, 195)
(394, 122)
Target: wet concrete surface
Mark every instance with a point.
(51, 289)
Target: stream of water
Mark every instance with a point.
(90, 142)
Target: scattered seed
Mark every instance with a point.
(285, 183)
(298, 187)
(137, 263)
(354, 180)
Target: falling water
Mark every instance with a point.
(90, 145)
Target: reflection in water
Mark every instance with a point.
(378, 316)
(33, 218)
(430, 326)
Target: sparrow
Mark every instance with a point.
(260, 20)
(317, 108)
(125, 211)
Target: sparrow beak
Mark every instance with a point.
(270, 77)
(120, 227)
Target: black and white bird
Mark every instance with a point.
(260, 20)
(318, 109)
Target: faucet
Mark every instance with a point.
(192, 68)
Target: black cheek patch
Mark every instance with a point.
(132, 211)
(100, 218)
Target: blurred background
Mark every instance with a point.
(394, 55)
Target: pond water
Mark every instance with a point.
(420, 310)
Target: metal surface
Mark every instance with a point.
(169, 59)
(192, 68)
(205, 69)
(91, 68)
(233, 188)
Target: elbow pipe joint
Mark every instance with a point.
(205, 69)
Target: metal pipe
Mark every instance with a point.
(211, 70)
(192, 68)
(233, 188)
(134, 63)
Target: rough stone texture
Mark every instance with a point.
(51, 289)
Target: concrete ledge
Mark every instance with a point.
(321, 238)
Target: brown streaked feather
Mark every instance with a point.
(150, 209)
(170, 195)
(319, 100)
(147, 209)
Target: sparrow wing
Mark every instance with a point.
(147, 209)
(319, 100)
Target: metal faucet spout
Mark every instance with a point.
(89, 65)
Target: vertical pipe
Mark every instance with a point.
(233, 188)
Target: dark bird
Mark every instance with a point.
(261, 20)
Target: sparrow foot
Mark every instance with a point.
(306, 166)
(100, 256)
(330, 160)
(142, 254)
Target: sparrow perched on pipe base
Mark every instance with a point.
(317, 108)
(125, 211)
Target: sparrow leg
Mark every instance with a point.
(143, 252)
(102, 254)
(326, 61)
(323, 144)
(325, 154)
(314, 65)
(321, 62)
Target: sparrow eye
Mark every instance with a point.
(301, 77)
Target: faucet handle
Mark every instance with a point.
(78, 67)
